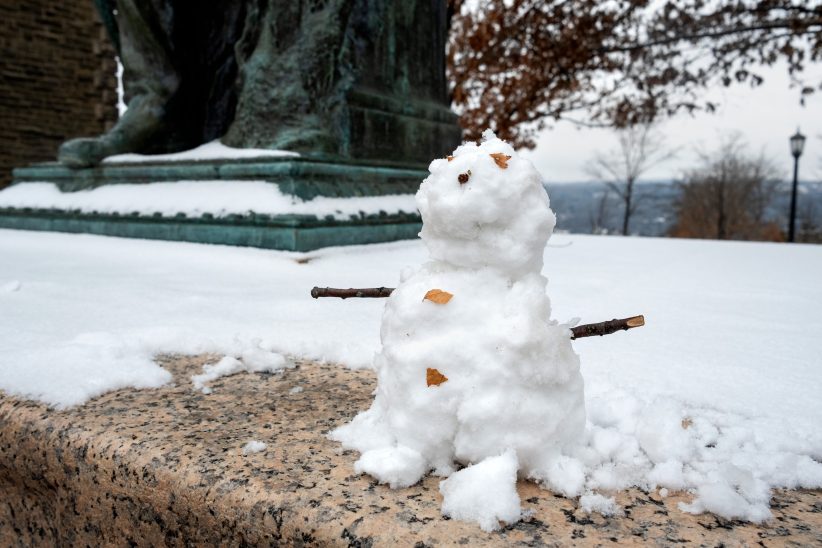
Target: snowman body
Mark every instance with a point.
(506, 378)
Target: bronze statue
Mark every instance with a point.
(360, 79)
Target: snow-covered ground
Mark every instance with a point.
(194, 198)
(720, 392)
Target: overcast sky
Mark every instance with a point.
(766, 116)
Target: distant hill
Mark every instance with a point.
(578, 207)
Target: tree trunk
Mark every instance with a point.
(720, 222)
(629, 190)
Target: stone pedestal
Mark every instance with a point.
(303, 178)
(165, 467)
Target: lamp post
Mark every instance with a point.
(797, 144)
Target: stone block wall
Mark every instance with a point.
(57, 79)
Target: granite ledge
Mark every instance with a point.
(165, 467)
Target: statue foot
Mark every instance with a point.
(306, 140)
(84, 152)
(143, 121)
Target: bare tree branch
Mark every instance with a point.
(640, 148)
(812, 29)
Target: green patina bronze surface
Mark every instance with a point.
(289, 232)
(355, 79)
(357, 87)
(361, 79)
(301, 177)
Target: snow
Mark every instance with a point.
(252, 359)
(214, 150)
(731, 501)
(594, 502)
(296, 390)
(512, 377)
(254, 446)
(562, 474)
(485, 493)
(731, 342)
(195, 198)
(8, 287)
(398, 466)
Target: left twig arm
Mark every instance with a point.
(365, 292)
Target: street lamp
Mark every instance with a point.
(797, 144)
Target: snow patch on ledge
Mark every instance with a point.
(256, 358)
(595, 502)
(254, 446)
(195, 198)
(215, 150)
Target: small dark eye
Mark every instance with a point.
(463, 177)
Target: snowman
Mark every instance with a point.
(476, 382)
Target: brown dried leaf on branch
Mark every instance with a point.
(434, 377)
(501, 159)
(438, 296)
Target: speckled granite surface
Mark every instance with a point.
(165, 466)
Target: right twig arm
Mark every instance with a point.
(606, 328)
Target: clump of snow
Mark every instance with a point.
(513, 380)
(214, 150)
(396, 466)
(254, 359)
(661, 434)
(296, 390)
(254, 446)
(747, 501)
(562, 474)
(219, 198)
(10, 286)
(664, 445)
(594, 502)
(668, 473)
(485, 493)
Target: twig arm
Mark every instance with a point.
(366, 292)
(606, 328)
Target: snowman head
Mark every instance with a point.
(484, 206)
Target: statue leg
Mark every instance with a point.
(294, 80)
(150, 81)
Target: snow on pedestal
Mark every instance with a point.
(476, 373)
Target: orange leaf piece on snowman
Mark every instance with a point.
(434, 377)
(501, 159)
(438, 296)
